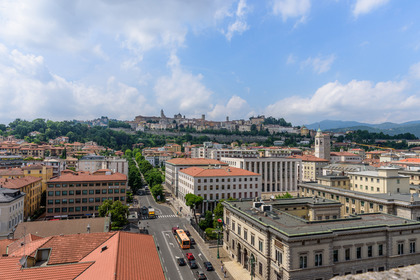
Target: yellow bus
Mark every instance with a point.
(182, 238)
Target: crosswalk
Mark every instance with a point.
(159, 217)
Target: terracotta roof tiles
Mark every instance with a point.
(17, 183)
(87, 177)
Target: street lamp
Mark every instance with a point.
(218, 236)
(252, 263)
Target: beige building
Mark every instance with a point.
(214, 184)
(384, 180)
(322, 145)
(354, 202)
(335, 181)
(279, 175)
(271, 242)
(311, 167)
(77, 194)
(39, 171)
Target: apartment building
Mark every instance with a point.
(271, 242)
(93, 163)
(11, 173)
(354, 202)
(31, 186)
(214, 184)
(10, 161)
(173, 166)
(11, 210)
(77, 194)
(39, 171)
(311, 167)
(279, 175)
(384, 180)
(345, 157)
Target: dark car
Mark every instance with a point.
(144, 210)
(181, 261)
(192, 241)
(187, 232)
(201, 275)
(208, 266)
(192, 264)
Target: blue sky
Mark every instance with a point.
(302, 60)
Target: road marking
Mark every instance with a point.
(167, 235)
(199, 255)
(172, 255)
(172, 244)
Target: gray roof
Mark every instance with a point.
(391, 197)
(293, 226)
(74, 226)
(9, 195)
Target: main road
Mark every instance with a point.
(168, 248)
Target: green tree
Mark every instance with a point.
(118, 211)
(207, 222)
(157, 191)
(218, 213)
(284, 196)
(193, 201)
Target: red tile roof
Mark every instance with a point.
(3, 245)
(87, 177)
(17, 183)
(217, 172)
(409, 160)
(11, 172)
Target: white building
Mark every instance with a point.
(322, 145)
(93, 163)
(11, 210)
(214, 184)
(279, 175)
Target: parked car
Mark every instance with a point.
(201, 275)
(192, 264)
(181, 261)
(208, 266)
(187, 232)
(190, 256)
(192, 241)
(144, 211)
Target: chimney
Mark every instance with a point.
(88, 228)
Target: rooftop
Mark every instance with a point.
(293, 226)
(88, 177)
(309, 158)
(17, 183)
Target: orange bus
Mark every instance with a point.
(182, 238)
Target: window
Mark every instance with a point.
(252, 240)
(84, 192)
(104, 191)
(318, 259)
(260, 245)
(50, 193)
(347, 254)
(279, 257)
(303, 261)
(71, 192)
(260, 268)
(370, 254)
(245, 234)
(239, 230)
(50, 201)
(412, 247)
(359, 252)
(57, 193)
(233, 226)
(335, 255)
(400, 248)
(380, 249)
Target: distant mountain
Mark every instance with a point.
(330, 124)
(387, 128)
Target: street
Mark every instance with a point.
(169, 248)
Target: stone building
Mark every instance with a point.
(279, 240)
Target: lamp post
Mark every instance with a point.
(218, 236)
(252, 263)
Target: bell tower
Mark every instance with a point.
(322, 145)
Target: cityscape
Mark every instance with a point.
(238, 139)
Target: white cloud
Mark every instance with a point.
(239, 25)
(415, 70)
(291, 59)
(356, 100)
(28, 90)
(319, 64)
(235, 108)
(366, 6)
(292, 9)
(182, 91)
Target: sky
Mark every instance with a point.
(302, 60)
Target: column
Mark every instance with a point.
(276, 165)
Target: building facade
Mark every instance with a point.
(93, 163)
(77, 194)
(214, 184)
(11, 210)
(279, 175)
(271, 243)
(311, 167)
(173, 166)
(31, 186)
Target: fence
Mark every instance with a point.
(203, 235)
